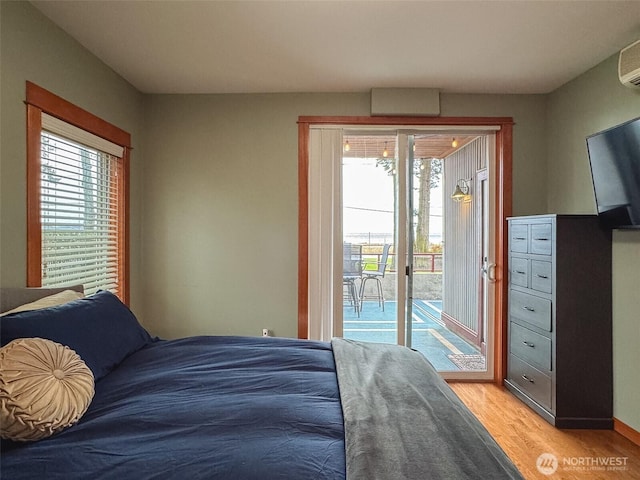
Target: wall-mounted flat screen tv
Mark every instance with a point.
(614, 156)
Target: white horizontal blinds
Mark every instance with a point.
(78, 208)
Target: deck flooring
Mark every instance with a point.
(430, 337)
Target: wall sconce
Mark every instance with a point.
(462, 191)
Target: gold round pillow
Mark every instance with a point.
(44, 388)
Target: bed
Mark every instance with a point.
(224, 407)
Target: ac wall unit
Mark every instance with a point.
(629, 65)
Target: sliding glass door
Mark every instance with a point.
(409, 263)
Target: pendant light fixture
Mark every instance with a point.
(385, 152)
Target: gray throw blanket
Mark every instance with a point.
(402, 421)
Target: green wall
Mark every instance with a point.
(592, 102)
(221, 195)
(33, 48)
(221, 198)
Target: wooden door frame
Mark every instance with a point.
(503, 195)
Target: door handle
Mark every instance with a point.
(489, 271)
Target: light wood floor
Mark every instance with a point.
(524, 436)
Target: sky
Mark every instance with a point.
(368, 200)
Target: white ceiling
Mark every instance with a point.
(348, 46)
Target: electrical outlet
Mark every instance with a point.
(266, 332)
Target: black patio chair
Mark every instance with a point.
(377, 276)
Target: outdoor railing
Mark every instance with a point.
(422, 262)
(427, 262)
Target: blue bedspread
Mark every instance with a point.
(202, 407)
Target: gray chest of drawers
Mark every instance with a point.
(560, 339)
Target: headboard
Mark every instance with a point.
(12, 297)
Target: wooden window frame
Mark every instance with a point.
(38, 101)
(503, 196)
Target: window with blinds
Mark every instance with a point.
(79, 213)
(77, 197)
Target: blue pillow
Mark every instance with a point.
(100, 328)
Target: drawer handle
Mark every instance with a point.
(520, 272)
(528, 344)
(530, 380)
(528, 309)
(542, 239)
(520, 238)
(543, 276)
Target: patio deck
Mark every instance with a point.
(443, 348)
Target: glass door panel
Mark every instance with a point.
(398, 211)
(427, 333)
(370, 301)
(446, 318)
